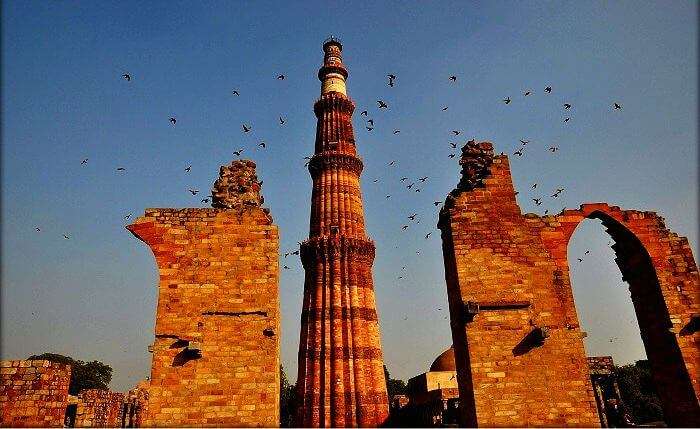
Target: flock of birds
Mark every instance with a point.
(410, 184)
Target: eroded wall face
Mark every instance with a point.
(518, 344)
(34, 393)
(216, 349)
(99, 408)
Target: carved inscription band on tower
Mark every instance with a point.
(341, 373)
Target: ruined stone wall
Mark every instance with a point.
(99, 408)
(518, 344)
(34, 393)
(216, 349)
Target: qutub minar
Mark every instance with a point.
(341, 371)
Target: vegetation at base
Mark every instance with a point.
(638, 392)
(84, 375)
(288, 401)
(394, 386)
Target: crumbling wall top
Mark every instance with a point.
(237, 186)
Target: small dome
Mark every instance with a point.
(445, 362)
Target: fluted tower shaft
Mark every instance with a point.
(341, 375)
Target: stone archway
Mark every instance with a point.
(659, 267)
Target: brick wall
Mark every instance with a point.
(518, 344)
(99, 408)
(216, 350)
(33, 393)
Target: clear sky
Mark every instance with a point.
(93, 296)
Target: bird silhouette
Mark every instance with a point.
(262, 144)
(38, 229)
(553, 149)
(280, 77)
(506, 100)
(418, 190)
(369, 128)
(188, 168)
(282, 121)
(173, 120)
(548, 89)
(238, 152)
(392, 162)
(428, 235)
(454, 145)
(370, 121)
(364, 112)
(375, 180)
(437, 203)
(286, 267)
(456, 132)
(413, 216)
(66, 237)
(423, 179)
(567, 119)
(444, 108)
(205, 200)
(527, 93)
(127, 76)
(587, 252)
(452, 155)
(84, 161)
(410, 185)
(127, 216)
(579, 259)
(567, 106)
(546, 211)
(453, 78)
(246, 128)
(617, 106)
(236, 93)
(537, 201)
(405, 227)
(121, 169)
(193, 191)
(392, 78)
(382, 105)
(518, 152)
(388, 196)
(534, 186)
(524, 142)
(397, 131)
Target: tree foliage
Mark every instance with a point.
(288, 401)
(394, 386)
(638, 392)
(84, 375)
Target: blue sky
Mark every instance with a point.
(93, 296)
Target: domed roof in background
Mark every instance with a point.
(445, 362)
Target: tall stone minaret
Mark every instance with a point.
(341, 373)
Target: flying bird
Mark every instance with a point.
(388, 196)
(282, 121)
(370, 121)
(392, 162)
(193, 191)
(246, 128)
(537, 201)
(262, 144)
(534, 186)
(364, 112)
(548, 89)
(286, 267)
(567, 106)
(369, 128)
(413, 216)
(173, 120)
(391, 79)
(405, 227)
(423, 179)
(38, 229)
(127, 76)
(527, 93)
(444, 108)
(567, 119)
(397, 131)
(280, 77)
(188, 168)
(617, 106)
(452, 155)
(454, 145)
(205, 200)
(127, 216)
(410, 185)
(375, 180)
(238, 152)
(65, 236)
(437, 203)
(382, 105)
(84, 161)
(456, 132)
(121, 169)
(403, 179)
(428, 235)
(581, 260)
(236, 93)
(506, 100)
(553, 149)
(453, 78)
(524, 142)
(518, 152)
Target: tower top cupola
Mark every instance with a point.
(333, 72)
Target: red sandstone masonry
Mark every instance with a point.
(216, 351)
(514, 267)
(34, 393)
(99, 408)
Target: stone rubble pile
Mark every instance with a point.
(237, 186)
